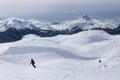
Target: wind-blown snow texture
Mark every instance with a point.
(13, 29)
(63, 57)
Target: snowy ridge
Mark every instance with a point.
(93, 23)
(21, 24)
(81, 22)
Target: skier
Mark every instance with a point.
(33, 63)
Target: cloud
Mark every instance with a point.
(71, 11)
(25, 7)
(56, 7)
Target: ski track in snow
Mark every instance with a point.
(73, 57)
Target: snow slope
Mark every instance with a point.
(63, 57)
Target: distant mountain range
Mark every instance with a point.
(13, 29)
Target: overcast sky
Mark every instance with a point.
(59, 9)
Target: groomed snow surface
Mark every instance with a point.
(63, 57)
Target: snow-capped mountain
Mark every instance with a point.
(12, 29)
